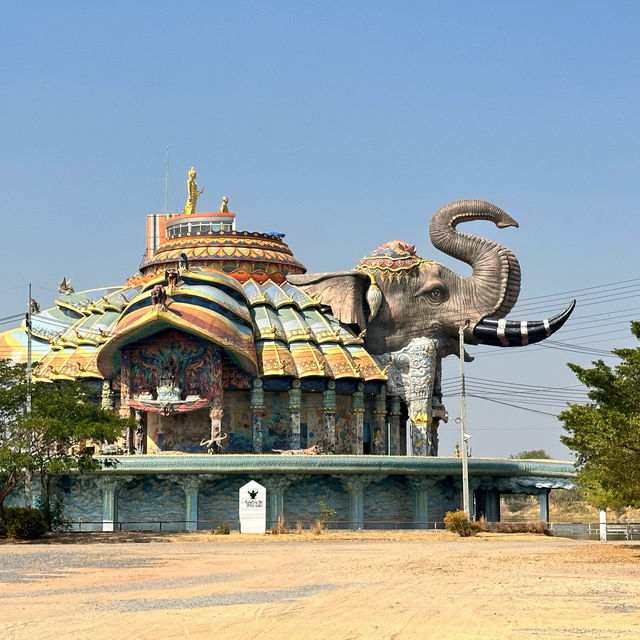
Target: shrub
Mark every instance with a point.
(458, 522)
(222, 530)
(318, 527)
(299, 526)
(279, 528)
(23, 523)
(521, 527)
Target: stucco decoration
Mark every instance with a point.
(413, 374)
(396, 299)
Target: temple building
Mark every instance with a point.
(215, 349)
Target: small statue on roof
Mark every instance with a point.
(192, 193)
(183, 262)
(64, 286)
(224, 205)
(34, 307)
(159, 298)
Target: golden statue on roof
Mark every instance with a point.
(224, 205)
(192, 193)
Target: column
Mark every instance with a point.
(355, 485)
(191, 487)
(357, 414)
(276, 486)
(125, 397)
(380, 424)
(329, 412)
(216, 412)
(110, 487)
(257, 409)
(125, 385)
(492, 498)
(108, 399)
(544, 505)
(474, 483)
(422, 487)
(394, 426)
(295, 405)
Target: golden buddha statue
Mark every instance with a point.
(192, 193)
(224, 206)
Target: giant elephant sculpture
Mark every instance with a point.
(411, 309)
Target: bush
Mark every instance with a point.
(222, 530)
(521, 527)
(23, 523)
(279, 528)
(458, 522)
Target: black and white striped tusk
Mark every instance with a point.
(513, 333)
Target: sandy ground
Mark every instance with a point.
(338, 585)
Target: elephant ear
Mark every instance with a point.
(344, 291)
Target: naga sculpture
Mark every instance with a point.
(411, 309)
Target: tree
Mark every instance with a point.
(51, 439)
(605, 434)
(534, 454)
(15, 461)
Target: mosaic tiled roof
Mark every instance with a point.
(267, 328)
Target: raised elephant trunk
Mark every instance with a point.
(496, 271)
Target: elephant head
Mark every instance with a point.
(397, 296)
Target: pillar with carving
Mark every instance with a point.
(125, 384)
(354, 485)
(191, 487)
(357, 414)
(108, 399)
(257, 411)
(329, 411)
(110, 487)
(422, 486)
(276, 486)
(380, 423)
(295, 406)
(395, 411)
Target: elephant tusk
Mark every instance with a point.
(513, 333)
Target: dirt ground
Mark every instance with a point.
(338, 585)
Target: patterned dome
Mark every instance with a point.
(391, 257)
(209, 241)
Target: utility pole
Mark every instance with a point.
(463, 427)
(28, 323)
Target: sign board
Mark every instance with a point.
(253, 508)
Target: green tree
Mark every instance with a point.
(534, 454)
(50, 440)
(605, 434)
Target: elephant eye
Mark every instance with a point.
(436, 294)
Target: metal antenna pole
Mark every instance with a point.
(463, 428)
(28, 319)
(166, 180)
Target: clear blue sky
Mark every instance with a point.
(343, 125)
